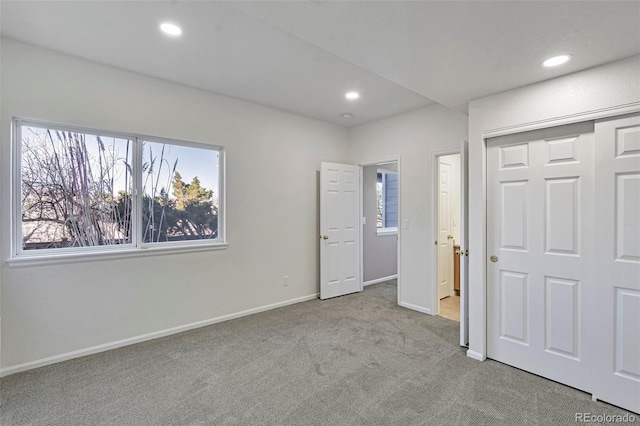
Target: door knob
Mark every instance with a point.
(449, 237)
(493, 258)
(324, 237)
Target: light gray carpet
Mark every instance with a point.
(357, 359)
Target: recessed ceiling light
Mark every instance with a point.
(556, 60)
(352, 95)
(171, 29)
(347, 116)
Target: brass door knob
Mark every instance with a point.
(449, 237)
(324, 237)
(493, 258)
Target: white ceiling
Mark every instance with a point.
(303, 56)
(456, 51)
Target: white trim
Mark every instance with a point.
(222, 196)
(415, 308)
(15, 178)
(476, 355)
(380, 280)
(107, 254)
(137, 198)
(145, 337)
(380, 232)
(399, 246)
(362, 223)
(464, 244)
(597, 114)
(567, 119)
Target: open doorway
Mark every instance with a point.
(342, 191)
(448, 225)
(380, 212)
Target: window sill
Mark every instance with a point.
(54, 259)
(387, 231)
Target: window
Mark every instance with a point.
(387, 197)
(87, 191)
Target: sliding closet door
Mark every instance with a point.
(540, 251)
(563, 266)
(617, 273)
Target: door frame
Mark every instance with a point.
(361, 165)
(435, 185)
(478, 334)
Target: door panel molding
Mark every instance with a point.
(540, 274)
(589, 262)
(340, 230)
(478, 225)
(617, 323)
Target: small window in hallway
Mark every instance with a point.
(387, 198)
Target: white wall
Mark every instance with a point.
(414, 136)
(602, 91)
(272, 209)
(380, 252)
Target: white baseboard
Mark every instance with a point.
(415, 308)
(143, 338)
(380, 280)
(476, 355)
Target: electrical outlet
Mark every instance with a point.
(285, 280)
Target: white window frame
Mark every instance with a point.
(19, 256)
(384, 230)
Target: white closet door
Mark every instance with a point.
(617, 272)
(540, 271)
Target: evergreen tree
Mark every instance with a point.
(194, 214)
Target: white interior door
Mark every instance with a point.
(339, 230)
(464, 244)
(617, 272)
(539, 239)
(445, 239)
